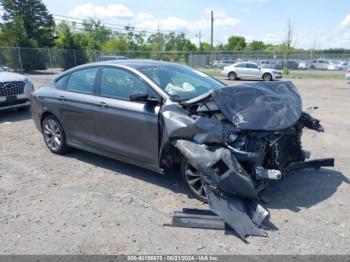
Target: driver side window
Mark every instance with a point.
(120, 84)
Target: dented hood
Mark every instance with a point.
(260, 105)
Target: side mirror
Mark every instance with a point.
(144, 97)
(138, 97)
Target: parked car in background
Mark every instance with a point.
(5, 68)
(222, 63)
(291, 64)
(343, 66)
(111, 57)
(319, 64)
(304, 65)
(267, 63)
(347, 74)
(15, 91)
(333, 66)
(250, 71)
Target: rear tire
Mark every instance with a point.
(232, 76)
(194, 180)
(54, 135)
(267, 77)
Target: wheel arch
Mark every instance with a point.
(230, 72)
(267, 73)
(46, 114)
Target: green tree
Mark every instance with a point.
(68, 42)
(205, 47)
(236, 43)
(116, 44)
(94, 35)
(255, 46)
(33, 17)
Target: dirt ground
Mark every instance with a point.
(82, 203)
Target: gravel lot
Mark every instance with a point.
(81, 203)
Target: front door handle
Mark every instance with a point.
(102, 105)
(62, 98)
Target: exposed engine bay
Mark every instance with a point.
(240, 139)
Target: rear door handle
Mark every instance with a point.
(102, 105)
(62, 98)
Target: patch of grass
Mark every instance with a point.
(212, 71)
(309, 74)
(294, 74)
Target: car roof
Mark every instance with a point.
(132, 63)
(137, 63)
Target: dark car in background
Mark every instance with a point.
(222, 63)
(111, 57)
(291, 64)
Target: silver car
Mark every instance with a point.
(15, 91)
(248, 70)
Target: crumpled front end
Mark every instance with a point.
(241, 139)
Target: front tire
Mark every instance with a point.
(267, 77)
(194, 180)
(232, 76)
(54, 135)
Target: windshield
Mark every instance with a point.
(180, 82)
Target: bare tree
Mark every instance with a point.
(288, 44)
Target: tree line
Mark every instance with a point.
(28, 24)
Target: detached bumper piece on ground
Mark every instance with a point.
(241, 139)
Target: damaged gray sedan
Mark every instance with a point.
(230, 142)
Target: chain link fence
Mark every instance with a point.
(37, 59)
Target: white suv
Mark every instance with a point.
(250, 71)
(15, 91)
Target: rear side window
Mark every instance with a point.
(242, 65)
(61, 82)
(120, 84)
(252, 66)
(82, 81)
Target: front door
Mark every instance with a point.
(253, 71)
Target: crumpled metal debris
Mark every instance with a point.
(240, 138)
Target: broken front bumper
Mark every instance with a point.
(232, 194)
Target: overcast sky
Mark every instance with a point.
(317, 23)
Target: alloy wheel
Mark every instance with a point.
(196, 182)
(52, 135)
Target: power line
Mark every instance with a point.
(122, 27)
(116, 26)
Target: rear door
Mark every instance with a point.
(77, 107)
(126, 128)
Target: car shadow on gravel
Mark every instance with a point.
(171, 180)
(304, 188)
(13, 115)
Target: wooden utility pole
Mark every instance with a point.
(212, 30)
(199, 39)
